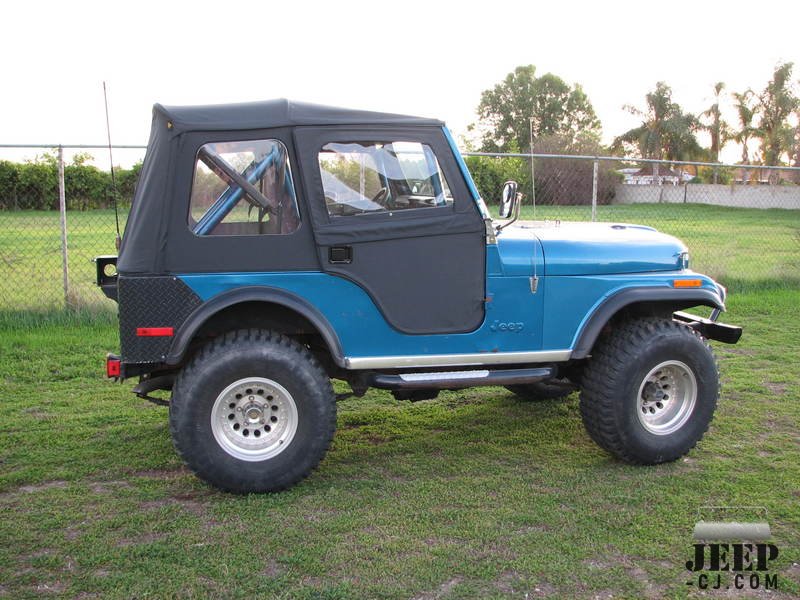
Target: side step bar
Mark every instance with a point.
(454, 380)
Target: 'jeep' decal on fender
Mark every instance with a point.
(512, 327)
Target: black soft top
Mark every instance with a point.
(163, 171)
(276, 113)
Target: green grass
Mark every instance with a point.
(744, 248)
(475, 494)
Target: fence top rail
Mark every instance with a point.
(69, 146)
(488, 154)
(628, 159)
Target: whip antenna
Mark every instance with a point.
(111, 160)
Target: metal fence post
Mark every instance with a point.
(62, 208)
(594, 189)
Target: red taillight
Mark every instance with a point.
(154, 331)
(112, 367)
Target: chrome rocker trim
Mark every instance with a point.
(461, 360)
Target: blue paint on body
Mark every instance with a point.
(551, 318)
(362, 329)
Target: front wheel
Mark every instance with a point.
(649, 391)
(253, 411)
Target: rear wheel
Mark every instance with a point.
(253, 411)
(649, 391)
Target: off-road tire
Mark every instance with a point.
(260, 355)
(621, 367)
(543, 390)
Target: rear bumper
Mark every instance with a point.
(721, 332)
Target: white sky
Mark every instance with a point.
(417, 57)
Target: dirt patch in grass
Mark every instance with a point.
(52, 587)
(73, 532)
(37, 412)
(188, 504)
(633, 571)
(776, 388)
(512, 584)
(442, 590)
(736, 350)
(508, 582)
(173, 473)
(106, 487)
(532, 529)
(273, 569)
(145, 538)
(320, 514)
(40, 487)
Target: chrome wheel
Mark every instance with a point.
(667, 397)
(254, 419)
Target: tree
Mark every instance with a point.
(666, 132)
(716, 126)
(775, 105)
(746, 112)
(796, 150)
(546, 104)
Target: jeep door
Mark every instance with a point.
(392, 213)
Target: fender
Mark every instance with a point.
(249, 294)
(591, 328)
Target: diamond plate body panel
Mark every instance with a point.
(163, 301)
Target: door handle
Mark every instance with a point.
(340, 255)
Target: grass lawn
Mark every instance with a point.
(474, 494)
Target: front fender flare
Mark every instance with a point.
(590, 330)
(253, 293)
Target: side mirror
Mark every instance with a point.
(509, 200)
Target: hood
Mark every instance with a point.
(571, 248)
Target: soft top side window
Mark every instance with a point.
(243, 188)
(373, 177)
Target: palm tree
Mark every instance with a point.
(746, 112)
(796, 150)
(775, 104)
(666, 132)
(717, 127)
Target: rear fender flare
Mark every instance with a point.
(278, 296)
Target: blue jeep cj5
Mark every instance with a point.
(274, 246)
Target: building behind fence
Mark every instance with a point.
(741, 223)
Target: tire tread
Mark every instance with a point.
(256, 337)
(605, 371)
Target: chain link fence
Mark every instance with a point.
(741, 223)
(56, 215)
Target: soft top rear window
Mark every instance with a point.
(243, 188)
